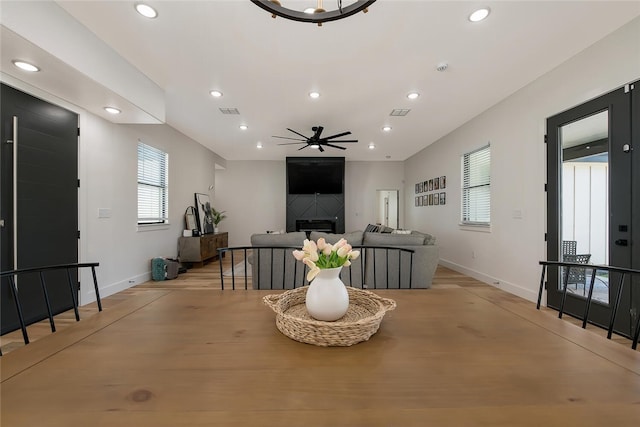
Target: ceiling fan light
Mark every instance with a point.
(316, 146)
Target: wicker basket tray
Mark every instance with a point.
(361, 321)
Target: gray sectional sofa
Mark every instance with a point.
(379, 267)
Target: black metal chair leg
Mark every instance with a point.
(616, 304)
(95, 286)
(588, 303)
(14, 291)
(46, 300)
(73, 295)
(564, 293)
(544, 270)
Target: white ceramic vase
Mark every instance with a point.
(327, 298)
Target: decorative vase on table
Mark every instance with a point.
(327, 298)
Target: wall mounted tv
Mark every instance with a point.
(315, 175)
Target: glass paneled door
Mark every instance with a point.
(590, 202)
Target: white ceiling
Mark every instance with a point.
(363, 66)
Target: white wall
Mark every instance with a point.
(508, 255)
(108, 168)
(253, 194)
(362, 181)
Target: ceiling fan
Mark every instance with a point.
(316, 141)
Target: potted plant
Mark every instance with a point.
(217, 216)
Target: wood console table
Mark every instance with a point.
(202, 248)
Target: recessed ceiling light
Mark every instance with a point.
(216, 93)
(26, 66)
(387, 128)
(146, 10)
(372, 146)
(310, 10)
(244, 127)
(479, 14)
(413, 95)
(112, 110)
(259, 145)
(314, 95)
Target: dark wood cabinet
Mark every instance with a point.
(202, 248)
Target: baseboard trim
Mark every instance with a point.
(493, 281)
(90, 295)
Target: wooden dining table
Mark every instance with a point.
(444, 357)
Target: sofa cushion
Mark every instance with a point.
(272, 239)
(354, 238)
(428, 238)
(388, 239)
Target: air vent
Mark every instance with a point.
(400, 112)
(229, 111)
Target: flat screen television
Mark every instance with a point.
(315, 175)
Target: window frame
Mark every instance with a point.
(157, 177)
(471, 172)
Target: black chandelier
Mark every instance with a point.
(319, 14)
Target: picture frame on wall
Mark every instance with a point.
(424, 200)
(425, 184)
(436, 183)
(431, 185)
(436, 199)
(443, 182)
(443, 198)
(203, 213)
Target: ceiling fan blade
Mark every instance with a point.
(338, 135)
(292, 143)
(285, 137)
(320, 148)
(298, 133)
(303, 147)
(334, 146)
(345, 140)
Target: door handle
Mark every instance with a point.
(622, 242)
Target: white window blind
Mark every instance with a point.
(152, 185)
(476, 187)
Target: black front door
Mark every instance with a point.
(39, 201)
(593, 203)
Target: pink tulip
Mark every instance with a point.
(354, 254)
(327, 249)
(321, 243)
(299, 255)
(340, 243)
(344, 250)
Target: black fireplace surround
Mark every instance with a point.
(327, 225)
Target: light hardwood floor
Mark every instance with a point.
(208, 277)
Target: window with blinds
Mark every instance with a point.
(152, 185)
(476, 187)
